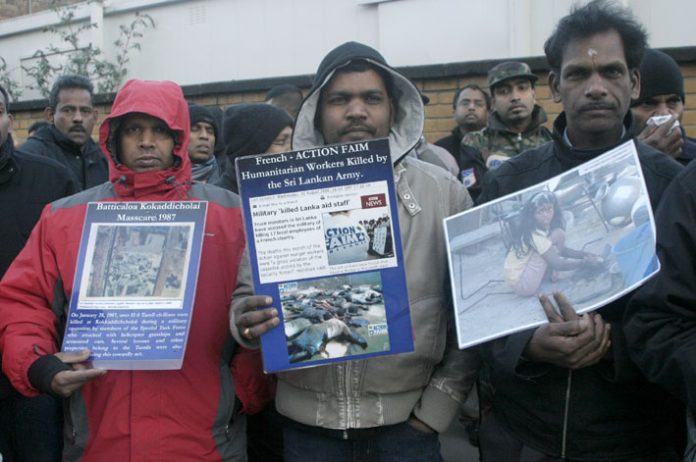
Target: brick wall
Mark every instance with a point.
(438, 122)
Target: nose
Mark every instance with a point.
(147, 139)
(662, 109)
(77, 116)
(356, 109)
(595, 87)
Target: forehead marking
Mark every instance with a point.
(591, 52)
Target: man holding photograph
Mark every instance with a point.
(567, 390)
(158, 415)
(390, 407)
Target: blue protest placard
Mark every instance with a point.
(324, 242)
(135, 283)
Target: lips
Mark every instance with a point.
(357, 129)
(596, 107)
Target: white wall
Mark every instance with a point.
(201, 41)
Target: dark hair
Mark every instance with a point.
(522, 241)
(360, 65)
(7, 98)
(596, 17)
(69, 81)
(472, 86)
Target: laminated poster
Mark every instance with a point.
(324, 242)
(135, 283)
(596, 219)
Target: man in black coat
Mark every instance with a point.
(68, 138)
(30, 428)
(567, 389)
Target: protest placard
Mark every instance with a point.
(323, 233)
(135, 282)
(588, 233)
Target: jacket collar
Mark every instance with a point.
(573, 156)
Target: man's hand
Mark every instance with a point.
(568, 340)
(65, 383)
(252, 322)
(419, 425)
(663, 137)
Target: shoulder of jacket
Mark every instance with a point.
(216, 194)
(97, 193)
(657, 162)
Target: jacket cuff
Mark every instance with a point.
(436, 409)
(42, 371)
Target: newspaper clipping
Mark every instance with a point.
(324, 242)
(588, 233)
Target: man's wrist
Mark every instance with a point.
(42, 371)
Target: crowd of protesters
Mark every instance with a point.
(611, 385)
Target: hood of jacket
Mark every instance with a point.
(161, 99)
(409, 114)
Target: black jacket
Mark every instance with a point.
(613, 412)
(88, 168)
(451, 142)
(27, 184)
(661, 318)
(688, 151)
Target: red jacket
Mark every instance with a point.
(178, 415)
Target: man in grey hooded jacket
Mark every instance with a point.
(387, 408)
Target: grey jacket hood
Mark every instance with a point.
(409, 115)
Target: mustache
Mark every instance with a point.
(77, 128)
(596, 106)
(358, 127)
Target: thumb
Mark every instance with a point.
(568, 328)
(72, 357)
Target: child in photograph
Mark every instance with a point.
(538, 248)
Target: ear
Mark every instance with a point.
(49, 113)
(634, 75)
(11, 126)
(554, 81)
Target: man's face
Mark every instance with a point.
(202, 142)
(657, 106)
(355, 106)
(5, 120)
(282, 142)
(74, 115)
(514, 100)
(145, 143)
(470, 112)
(595, 86)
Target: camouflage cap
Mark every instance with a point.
(509, 70)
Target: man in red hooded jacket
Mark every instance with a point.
(186, 414)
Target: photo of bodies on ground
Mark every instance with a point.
(334, 317)
(588, 233)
